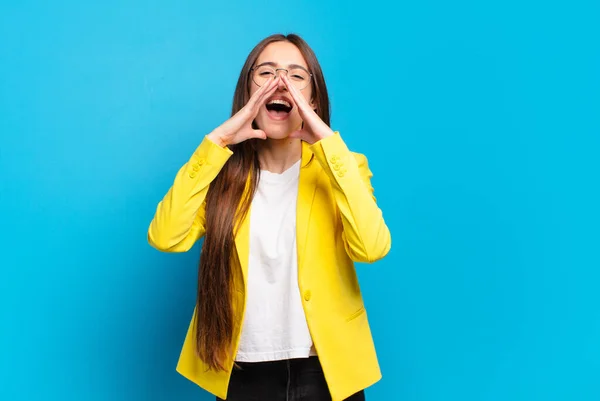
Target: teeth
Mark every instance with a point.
(280, 101)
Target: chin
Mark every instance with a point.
(276, 130)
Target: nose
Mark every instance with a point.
(281, 84)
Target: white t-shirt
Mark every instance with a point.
(274, 326)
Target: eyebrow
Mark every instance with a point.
(273, 64)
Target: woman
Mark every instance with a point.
(285, 209)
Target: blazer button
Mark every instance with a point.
(201, 162)
(307, 296)
(192, 174)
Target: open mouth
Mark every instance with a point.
(279, 108)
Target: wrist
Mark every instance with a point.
(324, 135)
(217, 139)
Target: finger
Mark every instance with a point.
(289, 87)
(300, 133)
(258, 133)
(270, 87)
(259, 94)
(296, 95)
(256, 95)
(254, 107)
(263, 99)
(273, 85)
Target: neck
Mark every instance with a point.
(277, 155)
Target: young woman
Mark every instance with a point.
(285, 209)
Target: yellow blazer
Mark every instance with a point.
(338, 223)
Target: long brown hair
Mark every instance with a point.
(227, 203)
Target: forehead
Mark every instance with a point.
(282, 53)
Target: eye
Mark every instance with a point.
(298, 75)
(265, 73)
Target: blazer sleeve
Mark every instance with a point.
(179, 220)
(366, 236)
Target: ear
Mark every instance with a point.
(312, 104)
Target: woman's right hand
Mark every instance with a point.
(239, 127)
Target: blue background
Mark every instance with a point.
(481, 124)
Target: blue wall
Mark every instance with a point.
(481, 124)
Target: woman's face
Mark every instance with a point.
(274, 116)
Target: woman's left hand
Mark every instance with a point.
(314, 129)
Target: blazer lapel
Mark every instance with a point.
(306, 193)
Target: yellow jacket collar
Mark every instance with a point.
(307, 154)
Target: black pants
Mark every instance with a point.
(289, 380)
